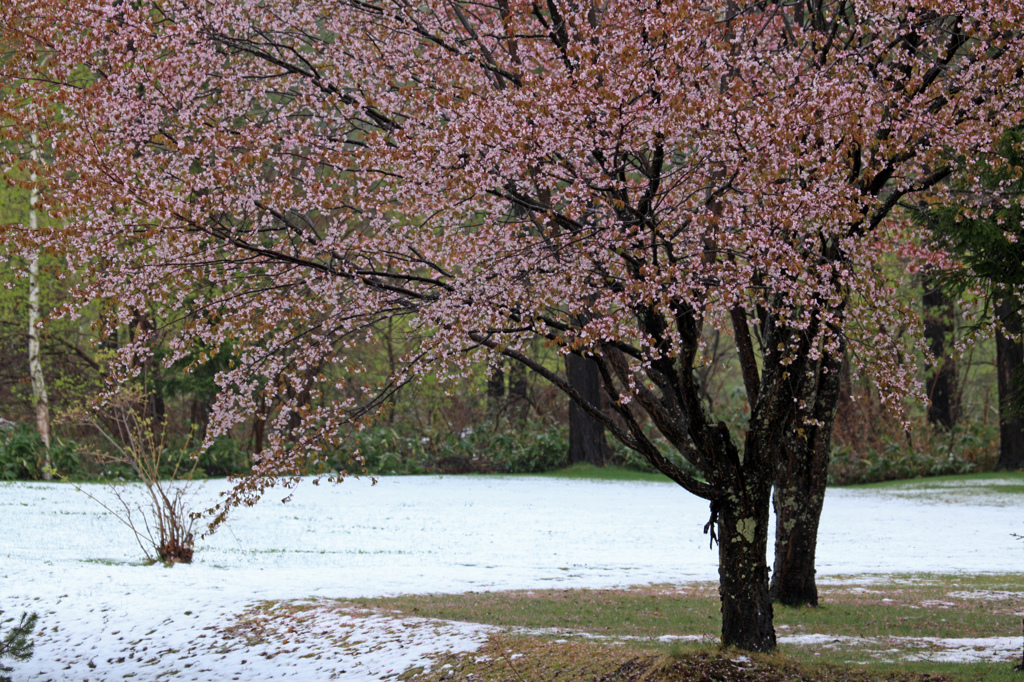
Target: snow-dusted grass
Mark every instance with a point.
(894, 619)
(105, 616)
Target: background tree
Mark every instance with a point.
(35, 366)
(1010, 378)
(587, 442)
(328, 166)
(991, 245)
(941, 380)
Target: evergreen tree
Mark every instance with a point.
(17, 644)
(987, 231)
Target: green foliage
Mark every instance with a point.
(21, 454)
(16, 643)
(611, 472)
(966, 449)
(992, 244)
(225, 457)
(501, 447)
(633, 460)
(178, 459)
(14, 203)
(530, 447)
(989, 240)
(21, 457)
(18, 453)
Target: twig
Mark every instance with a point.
(511, 665)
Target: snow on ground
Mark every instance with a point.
(103, 612)
(934, 649)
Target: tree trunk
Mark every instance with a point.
(496, 388)
(518, 396)
(154, 407)
(800, 483)
(198, 419)
(1009, 369)
(587, 443)
(35, 365)
(941, 376)
(743, 569)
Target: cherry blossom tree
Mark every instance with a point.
(611, 178)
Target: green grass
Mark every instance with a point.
(116, 562)
(605, 613)
(1014, 486)
(606, 473)
(915, 606)
(889, 622)
(937, 481)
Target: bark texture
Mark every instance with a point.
(942, 375)
(496, 388)
(747, 617)
(518, 392)
(35, 365)
(800, 482)
(587, 442)
(1010, 372)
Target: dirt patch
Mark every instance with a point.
(705, 667)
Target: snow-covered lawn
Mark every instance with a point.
(107, 617)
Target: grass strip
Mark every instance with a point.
(589, 472)
(899, 627)
(1003, 482)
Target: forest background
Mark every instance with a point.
(305, 368)
(499, 419)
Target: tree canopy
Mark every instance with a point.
(989, 240)
(610, 178)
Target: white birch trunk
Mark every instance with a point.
(35, 365)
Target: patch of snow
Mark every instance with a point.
(62, 556)
(684, 638)
(966, 650)
(562, 633)
(263, 642)
(954, 492)
(821, 640)
(937, 649)
(987, 595)
(954, 484)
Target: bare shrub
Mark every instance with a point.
(162, 521)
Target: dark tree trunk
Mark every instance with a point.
(157, 404)
(587, 443)
(518, 397)
(747, 618)
(199, 418)
(154, 407)
(800, 483)
(1010, 372)
(941, 377)
(259, 424)
(302, 394)
(496, 388)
